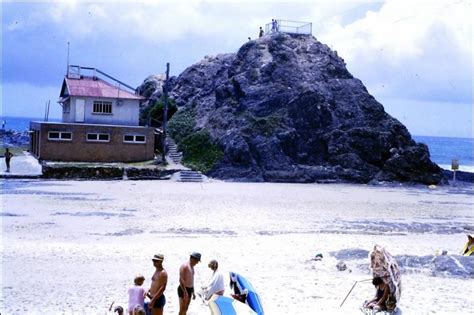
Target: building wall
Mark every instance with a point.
(66, 108)
(78, 149)
(125, 114)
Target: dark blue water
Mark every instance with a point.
(19, 123)
(442, 149)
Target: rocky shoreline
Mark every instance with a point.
(12, 138)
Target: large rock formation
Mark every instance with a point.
(284, 108)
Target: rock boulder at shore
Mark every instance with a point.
(284, 108)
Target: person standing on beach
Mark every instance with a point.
(216, 286)
(8, 156)
(136, 294)
(159, 281)
(186, 282)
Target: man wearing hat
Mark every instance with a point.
(158, 286)
(186, 282)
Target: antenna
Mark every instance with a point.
(67, 70)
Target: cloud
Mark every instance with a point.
(417, 49)
(412, 50)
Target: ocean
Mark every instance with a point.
(442, 149)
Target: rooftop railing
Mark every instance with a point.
(290, 27)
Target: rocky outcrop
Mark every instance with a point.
(284, 108)
(13, 138)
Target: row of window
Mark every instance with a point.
(99, 107)
(94, 137)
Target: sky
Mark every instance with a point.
(414, 57)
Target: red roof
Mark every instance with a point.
(95, 87)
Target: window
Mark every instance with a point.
(60, 135)
(98, 137)
(102, 107)
(134, 139)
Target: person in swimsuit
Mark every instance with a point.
(381, 295)
(158, 286)
(186, 282)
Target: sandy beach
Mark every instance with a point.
(73, 247)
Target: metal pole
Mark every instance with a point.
(165, 113)
(67, 69)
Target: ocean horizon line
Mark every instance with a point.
(2, 117)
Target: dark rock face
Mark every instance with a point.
(284, 108)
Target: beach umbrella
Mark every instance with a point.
(243, 287)
(383, 265)
(223, 305)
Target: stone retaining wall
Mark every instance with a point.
(104, 172)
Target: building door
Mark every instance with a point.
(80, 110)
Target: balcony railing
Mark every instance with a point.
(290, 27)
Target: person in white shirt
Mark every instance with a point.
(216, 286)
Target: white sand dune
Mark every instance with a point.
(73, 247)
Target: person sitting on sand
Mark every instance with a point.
(381, 295)
(216, 286)
(469, 247)
(136, 294)
(138, 310)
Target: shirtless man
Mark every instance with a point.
(186, 282)
(158, 286)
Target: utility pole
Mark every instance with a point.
(165, 113)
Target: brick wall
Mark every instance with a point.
(78, 149)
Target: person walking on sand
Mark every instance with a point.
(159, 281)
(186, 282)
(216, 286)
(136, 294)
(8, 156)
(260, 33)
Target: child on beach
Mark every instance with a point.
(381, 295)
(136, 295)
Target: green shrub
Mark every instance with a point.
(153, 113)
(199, 152)
(182, 125)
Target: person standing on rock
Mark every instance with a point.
(186, 282)
(8, 156)
(273, 25)
(260, 33)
